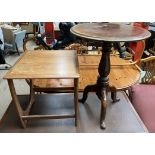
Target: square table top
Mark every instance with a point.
(45, 64)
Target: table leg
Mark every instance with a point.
(89, 88)
(31, 99)
(114, 97)
(103, 108)
(101, 87)
(16, 102)
(76, 100)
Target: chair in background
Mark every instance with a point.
(3, 63)
(2, 40)
(2, 60)
(29, 27)
(13, 40)
(142, 95)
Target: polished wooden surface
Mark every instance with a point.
(110, 32)
(47, 84)
(45, 64)
(122, 75)
(106, 33)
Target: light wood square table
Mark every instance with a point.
(60, 64)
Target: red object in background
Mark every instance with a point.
(49, 32)
(141, 24)
(138, 47)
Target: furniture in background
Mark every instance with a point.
(81, 49)
(142, 95)
(2, 40)
(44, 65)
(151, 40)
(35, 43)
(29, 27)
(4, 65)
(106, 33)
(123, 73)
(13, 39)
(2, 60)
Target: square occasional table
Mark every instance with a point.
(60, 64)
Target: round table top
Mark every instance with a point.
(113, 32)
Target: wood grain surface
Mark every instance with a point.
(112, 32)
(45, 64)
(121, 76)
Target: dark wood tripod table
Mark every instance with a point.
(106, 33)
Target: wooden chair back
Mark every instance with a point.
(148, 65)
(8, 35)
